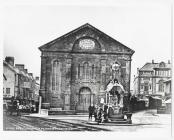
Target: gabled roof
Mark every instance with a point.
(152, 66)
(87, 25)
(148, 67)
(9, 66)
(16, 70)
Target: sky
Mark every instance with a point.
(144, 27)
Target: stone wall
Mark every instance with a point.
(71, 82)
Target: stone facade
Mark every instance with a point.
(151, 77)
(76, 67)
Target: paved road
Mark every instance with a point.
(159, 124)
(20, 123)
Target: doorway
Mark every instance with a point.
(85, 99)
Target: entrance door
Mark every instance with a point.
(85, 99)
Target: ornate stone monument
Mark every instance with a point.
(115, 94)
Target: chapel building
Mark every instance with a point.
(76, 68)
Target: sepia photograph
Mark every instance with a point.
(88, 67)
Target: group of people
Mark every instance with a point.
(100, 112)
(16, 106)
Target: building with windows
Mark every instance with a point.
(151, 79)
(9, 80)
(76, 67)
(17, 82)
(168, 88)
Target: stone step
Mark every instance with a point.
(115, 119)
(161, 108)
(161, 111)
(82, 113)
(63, 112)
(118, 122)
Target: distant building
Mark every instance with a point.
(36, 90)
(168, 88)
(151, 79)
(17, 82)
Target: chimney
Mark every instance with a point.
(26, 70)
(30, 74)
(168, 61)
(10, 60)
(37, 78)
(20, 66)
(152, 61)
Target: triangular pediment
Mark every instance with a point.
(86, 38)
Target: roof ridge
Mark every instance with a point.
(64, 35)
(83, 26)
(17, 70)
(144, 65)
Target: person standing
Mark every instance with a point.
(18, 108)
(90, 112)
(99, 114)
(95, 112)
(105, 112)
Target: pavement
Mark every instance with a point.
(141, 117)
(144, 119)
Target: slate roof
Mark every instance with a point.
(16, 70)
(152, 66)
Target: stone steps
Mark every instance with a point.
(118, 121)
(116, 117)
(62, 112)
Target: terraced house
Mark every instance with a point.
(18, 83)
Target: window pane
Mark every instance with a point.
(85, 70)
(7, 90)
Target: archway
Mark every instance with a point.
(85, 99)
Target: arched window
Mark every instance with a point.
(86, 70)
(56, 76)
(161, 86)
